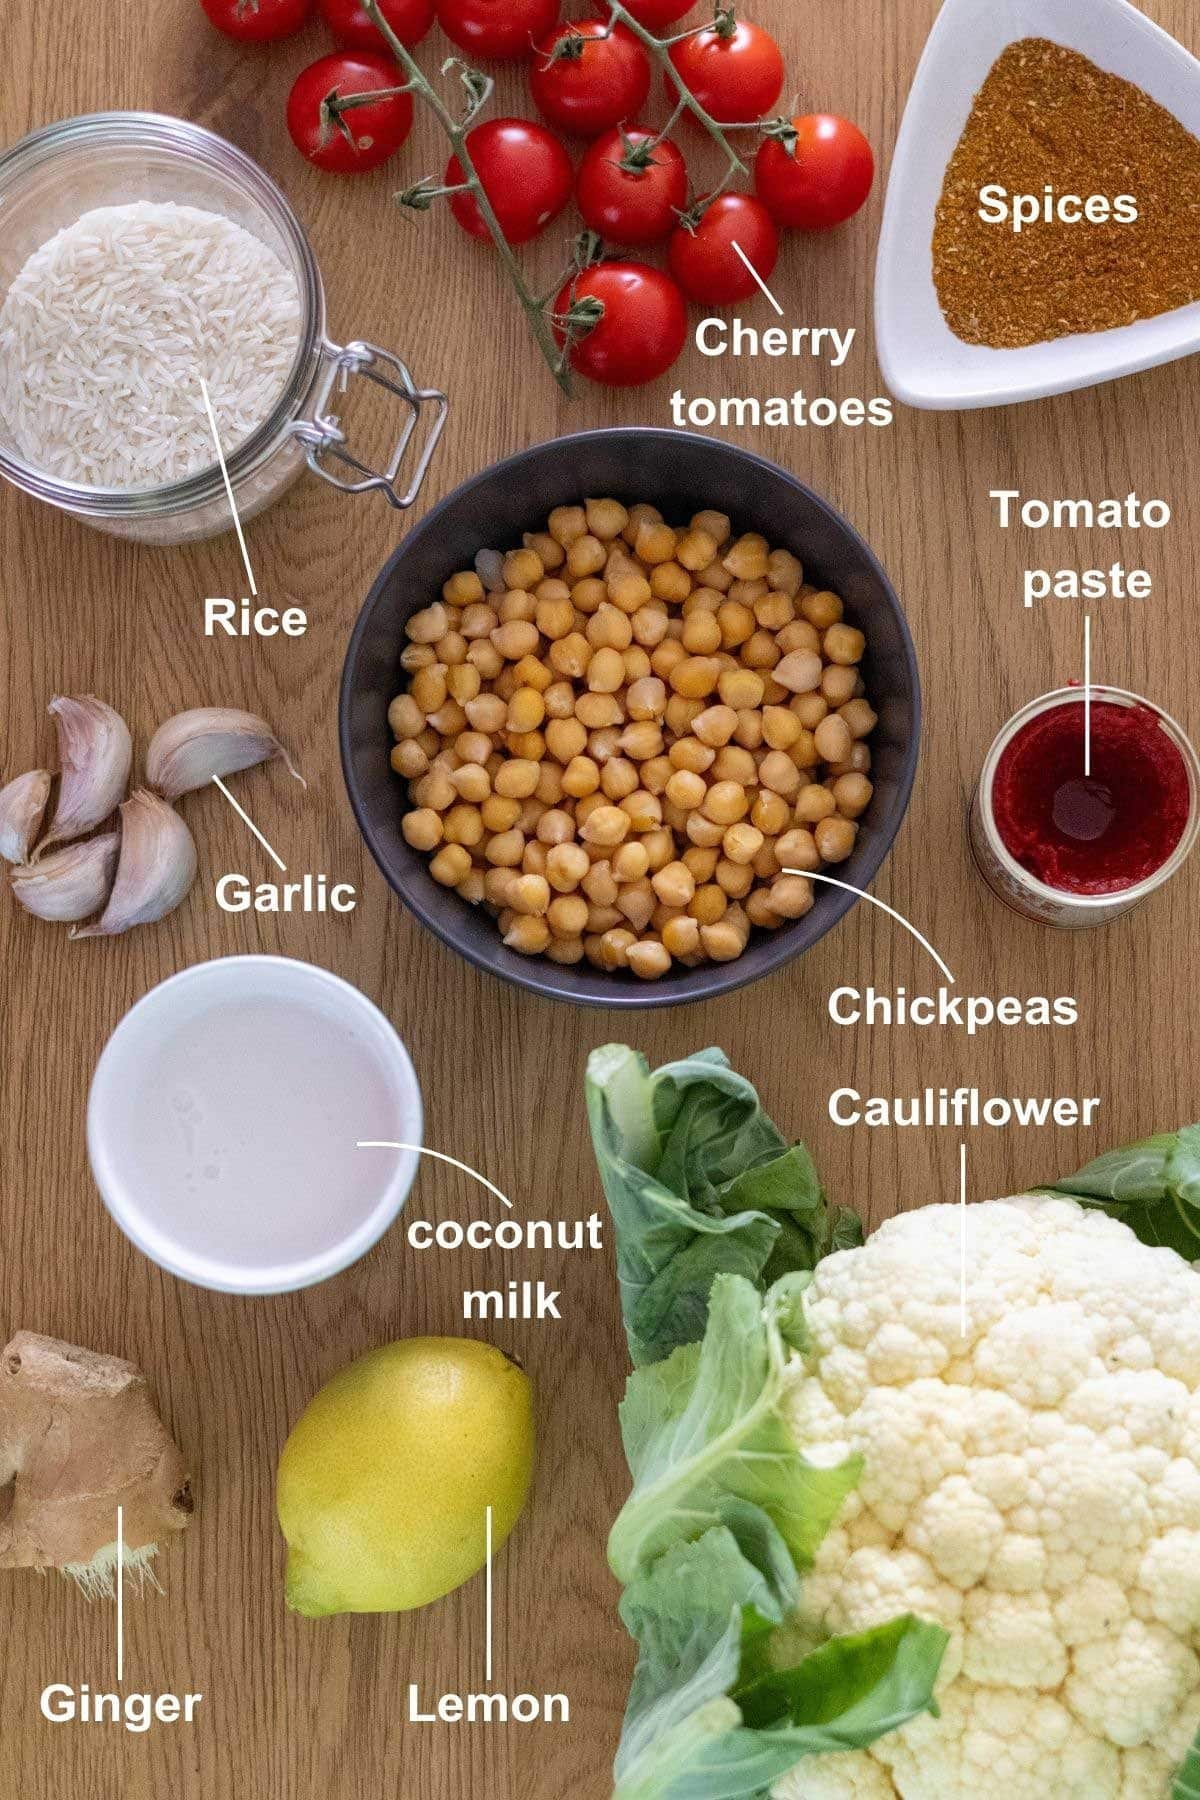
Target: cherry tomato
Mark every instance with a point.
(599, 78)
(736, 74)
(656, 14)
(347, 19)
(526, 174)
(501, 29)
(378, 129)
(257, 21)
(632, 187)
(823, 181)
(643, 328)
(704, 261)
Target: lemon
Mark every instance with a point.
(385, 1481)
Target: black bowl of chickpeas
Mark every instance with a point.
(628, 717)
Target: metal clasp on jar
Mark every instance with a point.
(325, 438)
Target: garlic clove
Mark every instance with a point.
(95, 755)
(191, 748)
(22, 808)
(156, 868)
(69, 884)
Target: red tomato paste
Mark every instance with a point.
(1098, 833)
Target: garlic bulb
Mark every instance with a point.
(191, 748)
(157, 866)
(22, 808)
(69, 884)
(95, 755)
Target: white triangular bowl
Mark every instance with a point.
(923, 363)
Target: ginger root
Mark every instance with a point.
(80, 1436)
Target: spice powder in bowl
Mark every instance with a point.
(1050, 126)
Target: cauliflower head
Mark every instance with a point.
(1032, 1484)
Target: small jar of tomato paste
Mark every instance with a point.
(1086, 804)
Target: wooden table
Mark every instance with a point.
(296, 1711)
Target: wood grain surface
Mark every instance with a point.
(296, 1711)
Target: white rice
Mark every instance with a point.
(108, 328)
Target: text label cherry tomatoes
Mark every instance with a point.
(588, 77)
(526, 174)
(642, 329)
(632, 186)
(704, 261)
(500, 29)
(347, 19)
(823, 180)
(735, 72)
(257, 21)
(375, 130)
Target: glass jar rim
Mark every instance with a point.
(162, 131)
(1128, 896)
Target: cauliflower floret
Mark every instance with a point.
(1034, 1487)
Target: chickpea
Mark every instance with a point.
(674, 884)
(427, 626)
(695, 677)
(581, 777)
(606, 672)
(838, 684)
(821, 609)
(528, 934)
(549, 790)
(463, 683)
(517, 604)
(417, 656)
(647, 698)
(471, 782)
(659, 845)
(715, 726)
(686, 790)
(641, 741)
(515, 638)
(725, 803)
(709, 904)
(800, 671)
(435, 790)
(589, 595)
(597, 711)
(701, 634)
(701, 862)
(861, 718)
(797, 849)
(636, 903)
(549, 549)
(567, 916)
(609, 628)
(737, 765)
(650, 626)
(405, 717)
(606, 826)
(566, 739)
(599, 884)
(723, 942)
(422, 828)
(750, 593)
(814, 803)
(749, 558)
(843, 644)
(740, 688)
(630, 592)
(615, 946)
(791, 896)
(566, 524)
(761, 651)
(630, 861)
(499, 814)
(656, 773)
(759, 912)
(409, 759)
(517, 779)
(706, 832)
(781, 727)
(618, 776)
(809, 710)
(785, 573)
(852, 794)
(555, 618)
(832, 739)
(463, 825)
(606, 519)
(770, 813)
(451, 865)
(835, 838)
(655, 542)
(484, 656)
(649, 958)
(586, 556)
(666, 656)
(523, 569)
(737, 623)
(742, 843)
(735, 879)
(670, 582)
(681, 936)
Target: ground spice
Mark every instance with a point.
(1047, 117)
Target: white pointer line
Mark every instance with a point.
(439, 1156)
(846, 886)
(962, 1272)
(120, 1593)
(245, 817)
(762, 284)
(488, 1603)
(237, 523)
(1087, 695)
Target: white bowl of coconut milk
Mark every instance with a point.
(225, 1117)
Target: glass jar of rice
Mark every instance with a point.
(158, 297)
